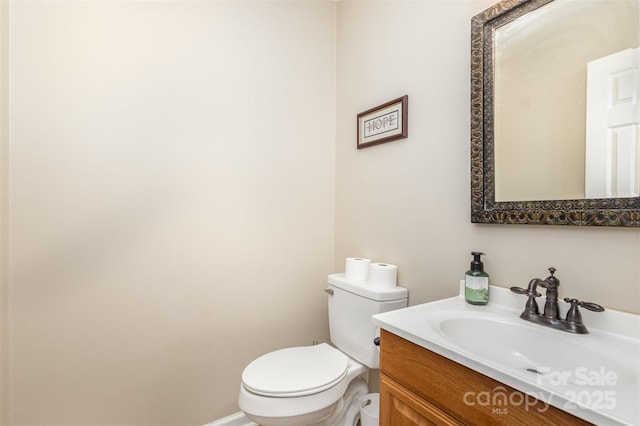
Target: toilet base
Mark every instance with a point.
(351, 404)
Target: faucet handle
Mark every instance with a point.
(531, 307)
(591, 306)
(587, 305)
(574, 318)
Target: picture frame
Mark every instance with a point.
(384, 123)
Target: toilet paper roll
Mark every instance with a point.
(357, 268)
(370, 410)
(383, 274)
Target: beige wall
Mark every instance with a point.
(172, 193)
(407, 202)
(172, 190)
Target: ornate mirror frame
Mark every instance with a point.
(484, 208)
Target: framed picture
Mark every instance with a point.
(384, 123)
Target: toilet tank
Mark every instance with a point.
(351, 305)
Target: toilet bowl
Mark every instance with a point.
(322, 384)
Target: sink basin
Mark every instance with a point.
(549, 357)
(593, 376)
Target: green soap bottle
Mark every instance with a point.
(476, 282)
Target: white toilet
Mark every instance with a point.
(322, 385)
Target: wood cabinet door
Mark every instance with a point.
(400, 407)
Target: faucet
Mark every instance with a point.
(551, 283)
(551, 313)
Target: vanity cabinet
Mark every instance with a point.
(420, 387)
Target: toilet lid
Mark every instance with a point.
(296, 371)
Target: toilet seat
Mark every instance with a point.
(297, 371)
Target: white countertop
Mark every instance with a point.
(607, 394)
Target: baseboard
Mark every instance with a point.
(237, 419)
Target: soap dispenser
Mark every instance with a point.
(476, 282)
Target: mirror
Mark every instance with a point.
(543, 149)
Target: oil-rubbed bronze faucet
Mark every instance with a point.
(551, 316)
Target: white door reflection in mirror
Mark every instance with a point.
(612, 163)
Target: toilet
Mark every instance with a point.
(322, 384)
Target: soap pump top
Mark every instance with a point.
(476, 264)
